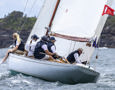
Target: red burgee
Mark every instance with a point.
(108, 10)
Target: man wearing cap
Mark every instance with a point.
(30, 46)
(73, 57)
(41, 50)
(51, 45)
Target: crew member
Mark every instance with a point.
(51, 45)
(18, 46)
(73, 57)
(41, 50)
(30, 46)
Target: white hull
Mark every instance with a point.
(52, 71)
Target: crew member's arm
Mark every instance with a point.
(53, 49)
(9, 51)
(15, 48)
(46, 50)
(76, 58)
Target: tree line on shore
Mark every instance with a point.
(16, 20)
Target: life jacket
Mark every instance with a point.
(21, 45)
(39, 53)
(71, 58)
(50, 44)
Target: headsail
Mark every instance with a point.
(44, 18)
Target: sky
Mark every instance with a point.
(29, 7)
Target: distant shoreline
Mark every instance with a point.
(14, 21)
(6, 38)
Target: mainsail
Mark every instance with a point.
(78, 18)
(74, 18)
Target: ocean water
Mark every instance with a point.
(105, 65)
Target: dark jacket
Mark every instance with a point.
(21, 46)
(50, 44)
(71, 58)
(39, 53)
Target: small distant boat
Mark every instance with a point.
(73, 23)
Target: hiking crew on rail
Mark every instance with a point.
(30, 46)
(41, 50)
(18, 46)
(73, 57)
(44, 49)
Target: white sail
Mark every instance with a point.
(44, 18)
(73, 18)
(78, 18)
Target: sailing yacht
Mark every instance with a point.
(73, 23)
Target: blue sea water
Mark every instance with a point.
(105, 65)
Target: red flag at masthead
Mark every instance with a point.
(108, 10)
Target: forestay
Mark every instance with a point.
(78, 18)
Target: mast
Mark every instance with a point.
(53, 15)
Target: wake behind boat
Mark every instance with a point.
(71, 22)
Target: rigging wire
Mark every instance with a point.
(97, 50)
(41, 8)
(22, 17)
(22, 26)
(25, 6)
(70, 47)
(35, 1)
(98, 43)
(74, 45)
